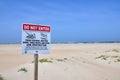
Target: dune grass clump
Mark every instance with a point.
(115, 50)
(60, 60)
(115, 56)
(45, 60)
(1, 78)
(23, 69)
(118, 60)
(33, 61)
(102, 57)
(65, 58)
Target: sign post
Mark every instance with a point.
(36, 67)
(35, 40)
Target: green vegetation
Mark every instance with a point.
(32, 61)
(115, 50)
(118, 60)
(1, 78)
(102, 57)
(115, 56)
(60, 60)
(22, 69)
(65, 58)
(44, 60)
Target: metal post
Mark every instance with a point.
(36, 67)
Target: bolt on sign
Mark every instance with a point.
(35, 39)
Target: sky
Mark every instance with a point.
(70, 20)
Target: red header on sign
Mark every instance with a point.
(34, 27)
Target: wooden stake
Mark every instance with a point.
(36, 67)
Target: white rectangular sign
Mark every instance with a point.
(35, 39)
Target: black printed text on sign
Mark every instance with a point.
(35, 39)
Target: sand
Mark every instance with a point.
(68, 62)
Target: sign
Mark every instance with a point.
(35, 39)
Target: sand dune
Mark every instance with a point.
(68, 62)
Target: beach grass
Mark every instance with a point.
(22, 69)
(117, 60)
(60, 60)
(33, 61)
(102, 57)
(115, 50)
(45, 60)
(105, 57)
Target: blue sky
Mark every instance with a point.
(70, 20)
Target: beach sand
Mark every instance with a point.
(93, 61)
